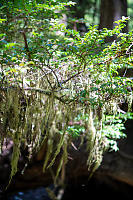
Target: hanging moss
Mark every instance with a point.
(130, 101)
(36, 117)
(15, 156)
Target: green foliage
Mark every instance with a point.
(113, 130)
(56, 84)
(76, 130)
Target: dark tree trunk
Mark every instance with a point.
(110, 11)
(78, 13)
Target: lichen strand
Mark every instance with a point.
(15, 156)
(129, 101)
(33, 118)
(95, 144)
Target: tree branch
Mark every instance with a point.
(48, 93)
(26, 46)
(71, 77)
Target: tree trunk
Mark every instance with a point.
(110, 11)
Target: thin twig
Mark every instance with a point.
(2, 39)
(127, 52)
(71, 77)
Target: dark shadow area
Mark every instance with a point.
(96, 188)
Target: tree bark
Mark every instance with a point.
(110, 11)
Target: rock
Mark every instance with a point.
(118, 165)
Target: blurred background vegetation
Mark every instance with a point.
(103, 11)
